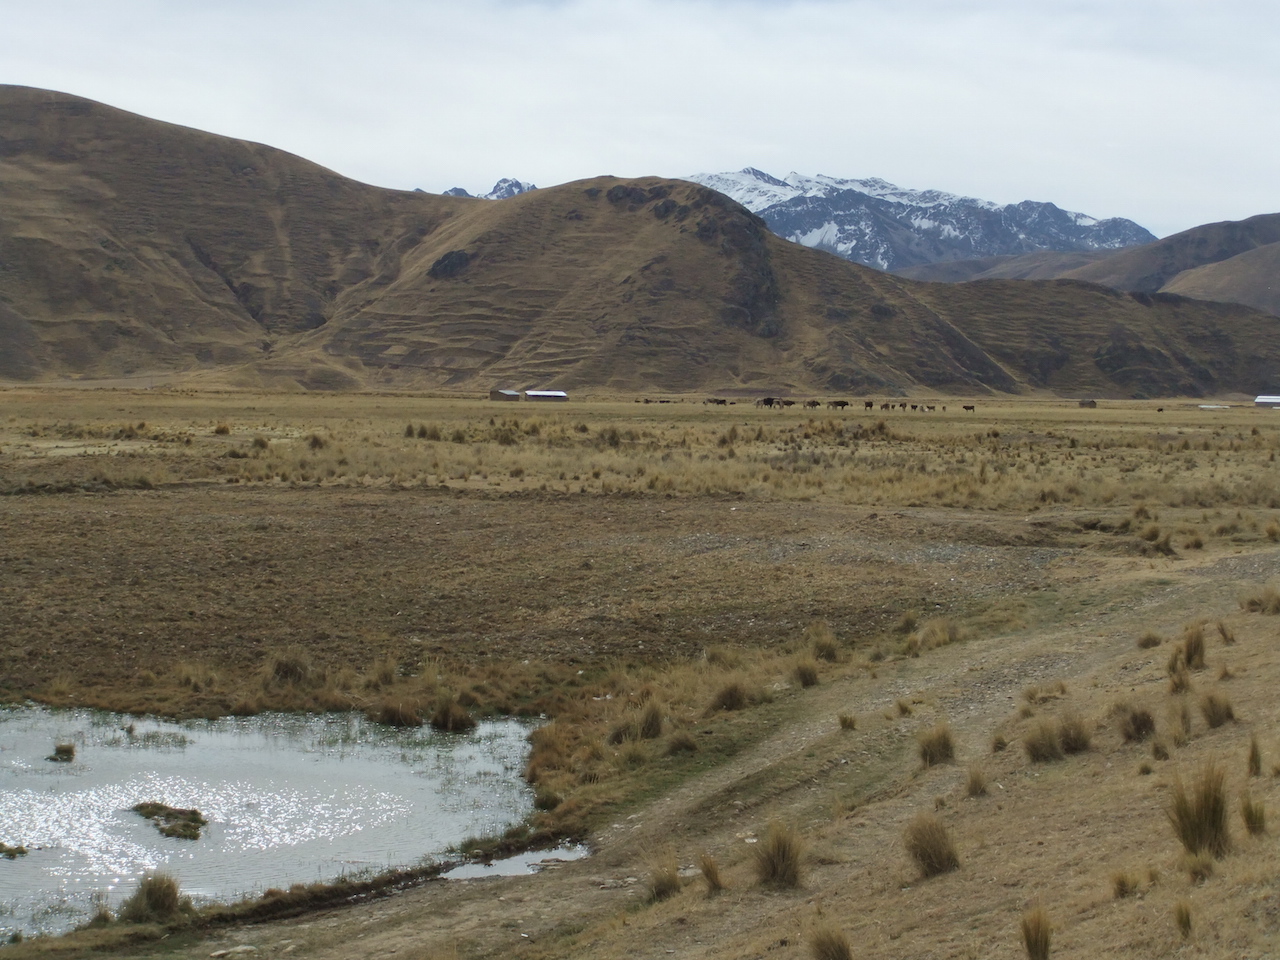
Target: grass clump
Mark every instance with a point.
(664, 880)
(1136, 724)
(975, 784)
(62, 753)
(1074, 734)
(732, 696)
(451, 717)
(1123, 884)
(1216, 709)
(1042, 743)
(823, 641)
(1199, 813)
(12, 852)
(777, 856)
(937, 745)
(650, 725)
(930, 845)
(1254, 813)
(1150, 639)
(1255, 757)
(1193, 647)
(711, 874)
(1182, 918)
(1036, 933)
(848, 721)
(172, 821)
(806, 673)
(682, 741)
(157, 900)
(829, 943)
(1263, 600)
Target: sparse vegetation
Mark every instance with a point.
(1136, 724)
(664, 879)
(829, 943)
(1042, 743)
(172, 821)
(1123, 884)
(1255, 757)
(929, 844)
(711, 874)
(1182, 918)
(1254, 813)
(1216, 709)
(848, 721)
(12, 852)
(1074, 735)
(976, 782)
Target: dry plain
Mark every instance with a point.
(604, 563)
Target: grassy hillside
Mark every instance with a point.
(129, 246)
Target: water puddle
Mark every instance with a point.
(289, 799)
(519, 865)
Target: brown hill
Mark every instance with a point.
(129, 246)
(1041, 265)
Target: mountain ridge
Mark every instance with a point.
(130, 246)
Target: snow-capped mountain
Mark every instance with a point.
(876, 223)
(502, 190)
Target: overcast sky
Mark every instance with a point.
(1163, 111)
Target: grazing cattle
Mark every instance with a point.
(868, 404)
(716, 401)
(886, 406)
(785, 403)
(837, 404)
(1159, 409)
(969, 407)
(944, 408)
(812, 404)
(766, 402)
(930, 408)
(914, 406)
(902, 405)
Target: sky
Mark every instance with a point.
(1163, 111)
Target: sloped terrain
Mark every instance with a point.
(132, 247)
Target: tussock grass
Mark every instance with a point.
(1199, 866)
(732, 696)
(1255, 757)
(1042, 744)
(1216, 709)
(937, 745)
(1198, 813)
(823, 641)
(929, 843)
(777, 857)
(1182, 918)
(975, 784)
(1254, 813)
(829, 943)
(664, 879)
(1123, 884)
(1179, 678)
(1193, 646)
(396, 713)
(681, 741)
(157, 900)
(711, 874)
(848, 721)
(451, 717)
(1150, 639)
(1036, 933)
(1074, 733)
(806, 673)
(1136, 724)
(1224, 632)
(1262, 600)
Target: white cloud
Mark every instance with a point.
(1159, 110)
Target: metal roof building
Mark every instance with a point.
(545, 395)
(504, 394)
(1266, 401)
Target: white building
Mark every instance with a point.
(1266, 401)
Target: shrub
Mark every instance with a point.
(1036, 933)
(451, 717)
(777, 856)
(711, 874)
(1150, 639)
(1199, 815)
(1182, 918)
(664, 879)
(1254, 813)
(1123, 884)
(156, 900)
(930, 845)
(976, 783)
(937, 745)
(1074, 734)
(806, 673)
(1136, 725)
(1216, 709)
(828, 943)
(1255, 757)
(1042, 743)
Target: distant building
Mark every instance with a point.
(504, 394)
(1266, 401)
(545, 395)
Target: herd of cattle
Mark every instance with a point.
(779, 403)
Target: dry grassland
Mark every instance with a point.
(766, 644)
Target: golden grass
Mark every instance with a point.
(937, 745)
(664, 878)
(1182, 918)
(711, 875)
(1254, 814)
(1216, 709)
(1036, 933)
(777, 856)
(156, 900)
(1042, 743)
(829, 943)
(975, 784)
(929, 843)
(1198, 813)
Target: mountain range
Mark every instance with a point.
(881, 225)
(130, 246)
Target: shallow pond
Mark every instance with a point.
(289, 799)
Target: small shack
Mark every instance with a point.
(1266, 401)
(545, 395)
(1091, 404)
(504, 394)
